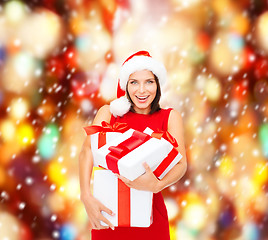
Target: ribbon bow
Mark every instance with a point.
(123, 148)
(130, 144)
(166, 135)
(106, 127)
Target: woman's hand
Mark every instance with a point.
(147, 182)
(94, 208)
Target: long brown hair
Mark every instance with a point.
(155, 103)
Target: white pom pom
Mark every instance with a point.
(120, 106)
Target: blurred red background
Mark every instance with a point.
(59, 62)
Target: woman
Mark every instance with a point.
(139, 91)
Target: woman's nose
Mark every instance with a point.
(141, 88)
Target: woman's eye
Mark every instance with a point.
(150, 81)
(133, 82)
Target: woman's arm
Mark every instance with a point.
(148, 181)
(175, 127)
(92, 205)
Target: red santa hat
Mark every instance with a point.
(136, 62)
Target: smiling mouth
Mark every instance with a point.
(142, 98)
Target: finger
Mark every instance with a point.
(129, 185)
(97, 224)
(94, 226)
(147, 167)
(107, 210)
(125, 180)
(105, 220)
(102, 227)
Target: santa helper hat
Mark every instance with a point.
(136, 62)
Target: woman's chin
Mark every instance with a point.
(141, 104)
(142, 108)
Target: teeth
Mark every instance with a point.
(142, 98)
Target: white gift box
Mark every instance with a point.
(101, 134)
(136, 212)
(170, 165)
(153, 152)
(94, 138)
(110, 136)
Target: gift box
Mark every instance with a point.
(126, 153)
(131, 207)
(172, 158)
(100, 135)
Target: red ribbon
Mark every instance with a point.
(119, 151)
(104, 128)
(166, 162)
(166, 135)
(124, 207)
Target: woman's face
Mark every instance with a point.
(142, 89)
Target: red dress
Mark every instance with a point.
(159, 229)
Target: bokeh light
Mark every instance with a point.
(19, 109)
(262, 32)
(19, 74)
(47, 143)
(8, 130)
(25, 134)
(15, 11)
(10, 226)
(34, 31)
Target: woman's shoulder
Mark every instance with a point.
(103, 114)
(174, 114)
(174, 117)
(105, 108)
(170, 114)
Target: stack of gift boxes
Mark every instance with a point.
(122, 150)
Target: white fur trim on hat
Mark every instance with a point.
(138, 63)
(120, 106)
